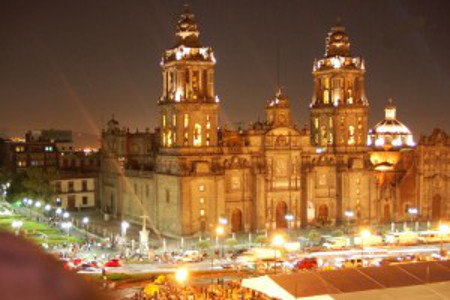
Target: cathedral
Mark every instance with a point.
(191, 172)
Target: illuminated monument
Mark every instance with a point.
(192, 172)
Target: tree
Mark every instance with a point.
(261, 239)
(231, 242)
(203, 244)
(37, 183)
(314, 237)
(337, 233)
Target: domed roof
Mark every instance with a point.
(187, 29)
(390, 132)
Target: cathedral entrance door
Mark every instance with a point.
(236, 220)
(323, 213)
(281, 212)
(436, 208)
(387, 213)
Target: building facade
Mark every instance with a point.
(192, 171)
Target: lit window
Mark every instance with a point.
(326, 97)
(174, 120)
(316, 123)
(207, 139)
(48, 148)
(21, 164)
(358, 191)
(197, 138)
(164, 139)
(164, 121)
(202, 200)
(208, 122)
(202, 212)
(186, 121)
(201, 188)
(351, 135)
(20, 149)
(186, 138)
(174, 137)
(169, 138)
(330, 121)
(358, 181)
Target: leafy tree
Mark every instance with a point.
(203, 244)
(261, 239)
(231, 242)
(37, 183)
(314, 237)
(337, 233)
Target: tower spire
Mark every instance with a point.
(337, 41)
(187, 30)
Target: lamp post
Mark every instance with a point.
(348, 214)
(443, 229)
(65, 215)
(181, 276)
(219, 233)
(413, 212)
(364, 235)
(289, 218)
(16, 225)
(66, 226)
(277, 242)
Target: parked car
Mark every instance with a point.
(113, 263)
(307, 263)
(189, 256)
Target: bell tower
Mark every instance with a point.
(188, 105)
(339, 108)
(278, 112)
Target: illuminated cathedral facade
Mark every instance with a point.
(192, 172)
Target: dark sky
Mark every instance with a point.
(71, 64)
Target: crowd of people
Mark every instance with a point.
(231, 291)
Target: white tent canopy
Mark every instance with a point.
(267, 286)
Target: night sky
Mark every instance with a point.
(71, 64)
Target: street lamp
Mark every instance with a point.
(444, 230)
(277, 242)
(349, 214)
(85, 221)
(38, 204)
(181, 276)
(124, 226)
(289, 218)
(413, 212)
(66, 215)
(364, 235)
(66, 226)
(219, 232)
(47, 207)
(223, 221)
(58, 211)
(16, 225)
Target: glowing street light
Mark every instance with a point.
(47, 207)
(181, 275)
(124, 226)
(17, 224)
(444, 229)
(223, 221)
(85, 221)
(66, 226)
(66, 215)
(277, 242)
(38, 204)
(349, 214)
(58, 211)
(365, 234)
(220, 230)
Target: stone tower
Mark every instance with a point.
(339, 109)
(278, 112)
(188, 105)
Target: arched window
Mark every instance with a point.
(197, 135)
